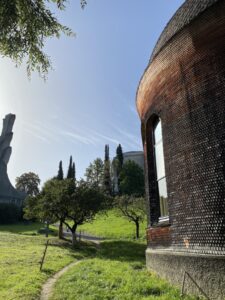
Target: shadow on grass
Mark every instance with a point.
(124, 251)
(79, 251)
(27, 228)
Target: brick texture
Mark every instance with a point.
(184, 85)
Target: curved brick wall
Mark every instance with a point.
(185, 86)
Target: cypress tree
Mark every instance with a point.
(119, 155)
(60, 171)
(107, 175)
(73, 171)
(106, 152)
(70, 168)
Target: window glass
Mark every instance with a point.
(160, 169)
(158, 132)
(159, 157)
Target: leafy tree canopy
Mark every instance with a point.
(131, 179)
(95, 173)
(24, 27)
(28, 183)
(52, 203)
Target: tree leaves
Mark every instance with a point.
(24, 27)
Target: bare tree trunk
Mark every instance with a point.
(137, 229)
(74, 238)
(60, 232)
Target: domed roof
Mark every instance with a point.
(184, 16)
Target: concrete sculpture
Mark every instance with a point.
(8, 194)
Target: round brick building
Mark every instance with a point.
(181, 104)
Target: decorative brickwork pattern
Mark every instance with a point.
(184, 85)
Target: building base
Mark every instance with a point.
(208, 271)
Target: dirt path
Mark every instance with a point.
(47, 288)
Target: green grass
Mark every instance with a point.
(19, 261)
(28, 228)
(112, 226)
(116, 273)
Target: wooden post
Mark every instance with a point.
(43, 256)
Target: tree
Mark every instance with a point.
(131, 179)
(73, 172)
(60, 172)
(28, 183)
(61, 200)
(131, 186)
(69, 172)
(84, 204)
(119, 155)
(95, 172)
(60, 177)
(25, 25)
(52, 203)
(107, 174)
(133, 208)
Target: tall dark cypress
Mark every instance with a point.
(107, 176)
(119, 155)
(70, 168)
(73, 171)
(106, 152)
(60, 171)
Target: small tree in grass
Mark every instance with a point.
(85, 203)
(133, 208)
(63, 200)
(52, 203)
(131, 202)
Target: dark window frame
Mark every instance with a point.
(156, 218)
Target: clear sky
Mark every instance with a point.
(89, 98)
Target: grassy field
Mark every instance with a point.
(116, 273)
(20, 255)
(27, 228)
(113, 226)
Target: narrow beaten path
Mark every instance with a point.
(47, 288)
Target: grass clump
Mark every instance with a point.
(116, 273)
(112, 226)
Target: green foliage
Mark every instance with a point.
(119, 155)
(107, 174)
(71, 173)
(60, 171)
(131, 179)
(84, 204)
(95, 173)
(24, 27)
(28, 183)
(52, 203)
(9, 213)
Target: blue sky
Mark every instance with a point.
(89, 98)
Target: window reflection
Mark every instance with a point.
(160, 168)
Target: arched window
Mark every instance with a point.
(160, 169)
